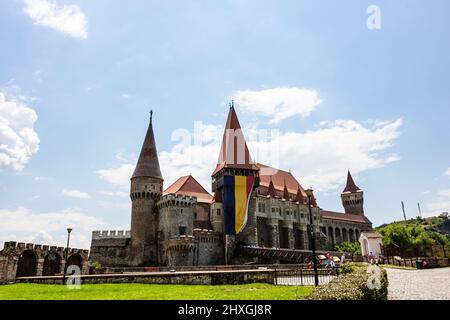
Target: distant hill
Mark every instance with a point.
(420, 236)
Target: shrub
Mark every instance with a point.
(350, 247)
(353, 286)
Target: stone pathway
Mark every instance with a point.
(430, 284)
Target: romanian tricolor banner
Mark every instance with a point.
(236, 197)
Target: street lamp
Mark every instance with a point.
(309, 193)
(69, 230)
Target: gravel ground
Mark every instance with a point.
(431, 284)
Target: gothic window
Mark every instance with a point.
(182, 231)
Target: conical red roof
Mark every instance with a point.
(300, 198)
(189, 186)
(148, 163)
(285, 192)
(351, 186)
(271, 190)
(234, 151)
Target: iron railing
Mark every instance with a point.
(302, 276)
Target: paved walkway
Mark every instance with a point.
(430, 284)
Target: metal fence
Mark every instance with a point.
(304, 277)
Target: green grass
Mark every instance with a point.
(135, 291)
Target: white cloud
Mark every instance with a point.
(64, 18)
(114, 193)
(47, 228)
(319, 158)
(119, 177)
(18, 140)
(447, 172)
(278, 103)
(439, 204)
(75, 194)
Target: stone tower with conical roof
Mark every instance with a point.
(234, 160)
(352, 197)
(146, 189)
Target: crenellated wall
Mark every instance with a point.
(18, 259)
(110, 248)
(210, 248)
(176, 218)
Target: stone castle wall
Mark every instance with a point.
(176, 224)
(37, 260)
(209, 247)
(110, 248)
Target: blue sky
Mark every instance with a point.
(78, 79)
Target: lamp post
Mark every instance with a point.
(69, 230)
(309, 193)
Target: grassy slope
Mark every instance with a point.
(151, 292)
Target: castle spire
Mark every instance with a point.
(234, 151)
(351, 186)
(271, 190)
(299, 198)
(285, 192)
(148, 163)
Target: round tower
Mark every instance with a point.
(352, 197)
(146, 188)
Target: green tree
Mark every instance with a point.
(350, 247)
(441, 240)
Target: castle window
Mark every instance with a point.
(195, 215)
(219, 212)
(181, 211)
(182, 231)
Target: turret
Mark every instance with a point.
(352, 197)
(234, 160)
(146, 189)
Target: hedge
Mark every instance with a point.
(353, 286)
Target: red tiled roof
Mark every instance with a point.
(372, 234)
(234, 151)
(279, 178)
(188, 186)
(351, 186)
(344, 216)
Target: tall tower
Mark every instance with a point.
(352, 197)
(146, 189)
(235, 160)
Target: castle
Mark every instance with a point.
(183, 225)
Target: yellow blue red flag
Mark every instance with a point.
(236, 198)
